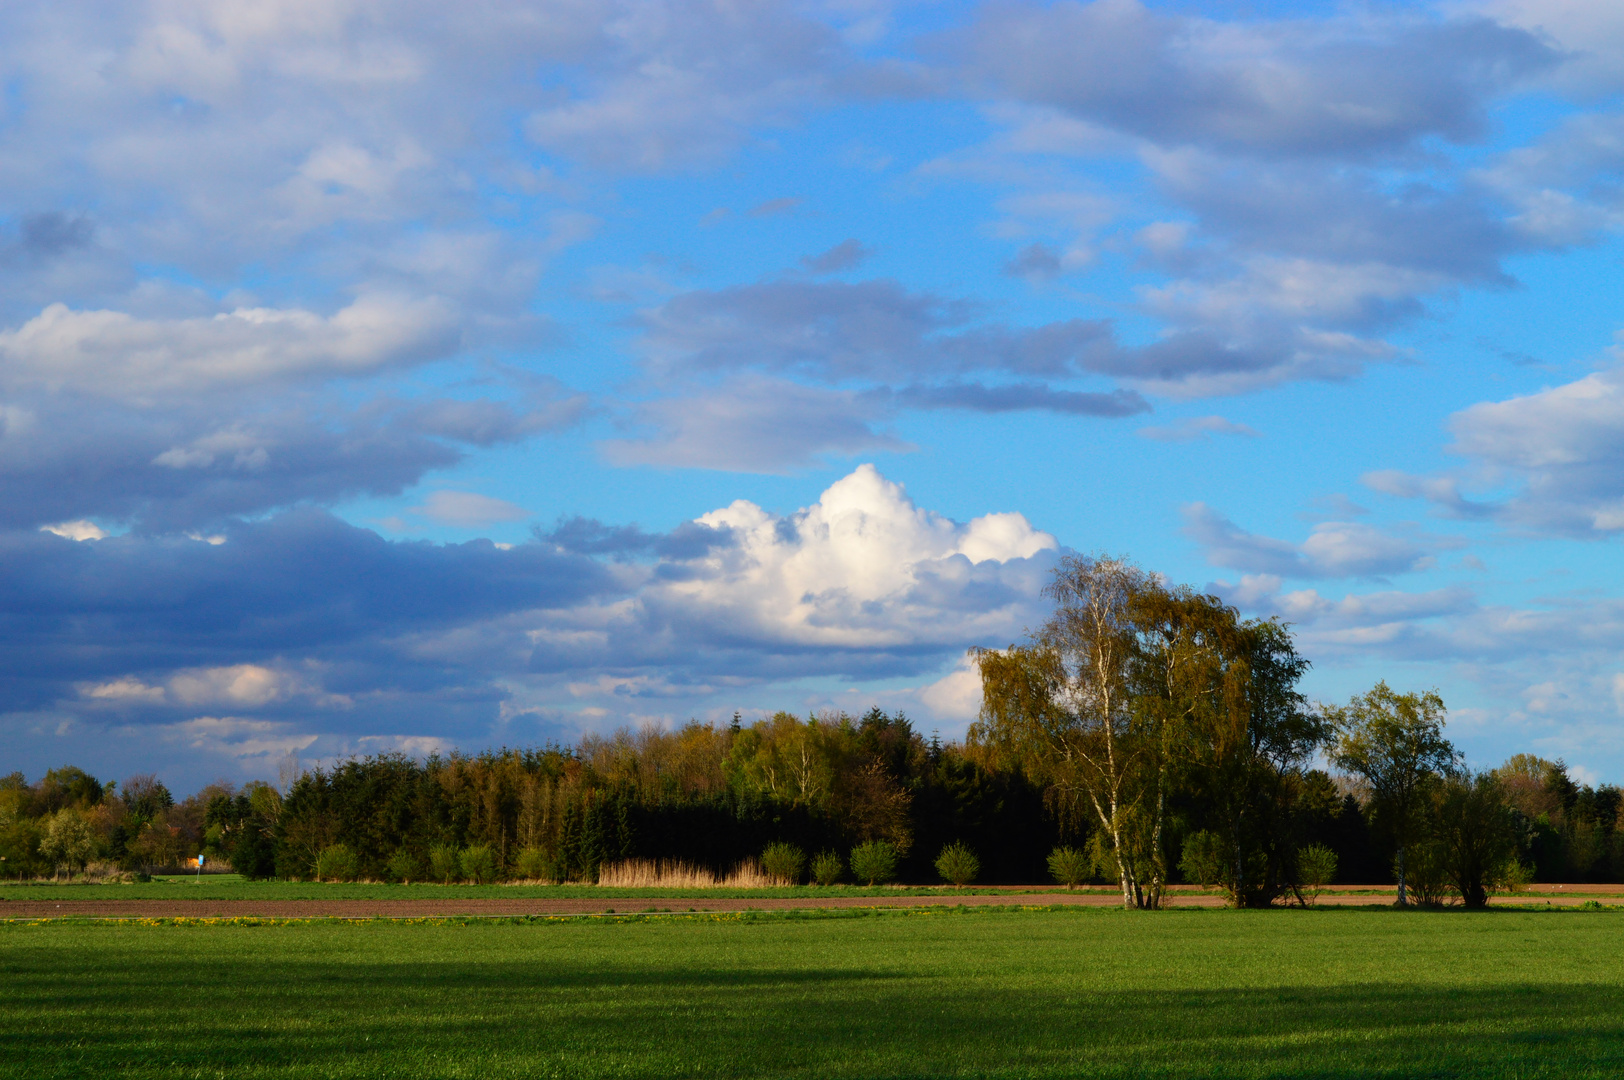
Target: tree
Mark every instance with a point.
(1060, 708)
(1475, 832)
(874, 862)
(1395, 742)
(68, 840)
(958, 864)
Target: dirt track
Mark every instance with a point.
(433, 907)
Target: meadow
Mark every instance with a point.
(994, 993)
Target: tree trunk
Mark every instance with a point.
(1402, 899)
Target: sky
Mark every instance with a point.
(395, 376)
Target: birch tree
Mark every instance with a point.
(1061, 708)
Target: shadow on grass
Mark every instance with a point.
(488, 1017)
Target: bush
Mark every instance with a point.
(1203, 861)
(337, 863)
(533, 864)
(1316, 868)
(404, 867)
(827, 869)
(253, 854)
(781, 860)
(1070, 867)
(443, 863)
(958, 864)
(478, 864)
(874, 862)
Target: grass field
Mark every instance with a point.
(233, 887)
(984, 993)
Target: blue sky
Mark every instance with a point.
(393, 376)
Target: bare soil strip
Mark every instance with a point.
(434, 907)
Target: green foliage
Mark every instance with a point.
(533, 864)
(478, 864)
(1070, 867)
(1203, 859)
(783, 861)
(1316, 869)
(874, 862)
(827, 869)
(444, 863)
(404, 867)
(1475, 831)
(67, 842)
(958, 864)
(336, 862)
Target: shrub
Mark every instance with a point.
(874, 862)
(404, 867)
(827, 868)
(1203, 861)
(253, 854)
(337, 862)
(533, 864)
(443, 863)
(781, 860)
(958, 864)
(1070, 867)
(478, 864)
(1316, 868)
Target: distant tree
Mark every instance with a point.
(1070, 867)
(443, 863)
(827, 869)
(874, 862)
(144, 796)
(783, 861)
(478, 864)
(68, 841)
(65, 787)
(1316, 869)
(958, 864)
(337, 862)
(1475, 830)
(1395, 743)
(404, 867)
(533, 864)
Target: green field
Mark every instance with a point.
(950, 993)
(233, 887)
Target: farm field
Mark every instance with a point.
(1070, 992)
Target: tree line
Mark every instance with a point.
(1145, 735)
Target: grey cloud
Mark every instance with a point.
(754, 425)
(775, 207)
(48, 234)
(1269, 88)
(1035, 262)
(1560, 447)
(1195, 429)
(846, 255)
(588, 536)
(1332, 549)
(1017, 397)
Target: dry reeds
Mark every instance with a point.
(660, 874)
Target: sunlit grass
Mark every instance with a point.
(949, 993)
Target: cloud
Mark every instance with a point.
(113, 353)
(846, 255)
(1557, 451)
(76, 530)
(1035, 263)
(467, 510)
(1268, 87)
(1195, 429)
(754, 425)
(1332, 549)
(775, 207)
(303, 632)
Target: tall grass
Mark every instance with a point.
(660, 874)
